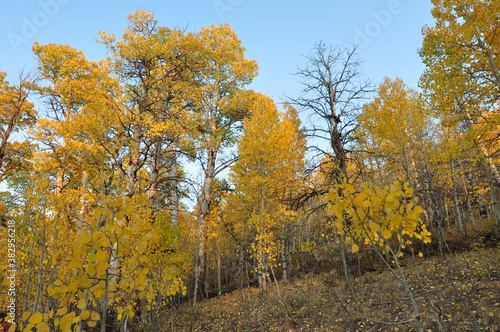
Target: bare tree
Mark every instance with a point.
(332, 93)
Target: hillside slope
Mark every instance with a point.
(464, 289)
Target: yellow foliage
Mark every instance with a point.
(387, 212)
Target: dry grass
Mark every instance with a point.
(464, 288)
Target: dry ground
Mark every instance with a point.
(464, 288)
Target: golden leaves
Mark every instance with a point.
(86, 275)
(36, 318)
(375, 214)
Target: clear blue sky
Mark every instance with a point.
(275, 33)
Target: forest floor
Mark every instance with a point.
(464, 288)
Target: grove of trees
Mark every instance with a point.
(112, 229)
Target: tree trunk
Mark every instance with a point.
(438, 213)
(105, 303)
(83, 202)
(455, 200)
(205, 199)
(133, 166)
(493, 194)
(494, 171)
(336, 141)
(40, 280)
(153, 180)
(174, 195)
(418, 318)
(469, 205)
(219, 254)
(447, 213)
(284, 257)
(260, 272)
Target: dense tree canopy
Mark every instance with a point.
(108, 226)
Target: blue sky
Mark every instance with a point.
(275, 33)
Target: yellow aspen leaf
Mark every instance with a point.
(62, 311)
(98, 211)
(42, 327)
(355, 248)
(74, 264)
(389, 198)
(101, 255)
(99, 292)
(141, 280)
(85, 315)
(387, 234)
(81, 304)
(128, 209)
(91, 269)
(374, 226)
(103, 266)
(84, 236)
(132, 263)
(92, 324)
(97, 236)
(126, 230)
(65, 322)
(73, 288)
(356, 202)
(491, 314)
(36, 318)
(396, 186)
(142, 247)
(349, 188)
(26, 315)
(420, 254)
(95, 316)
